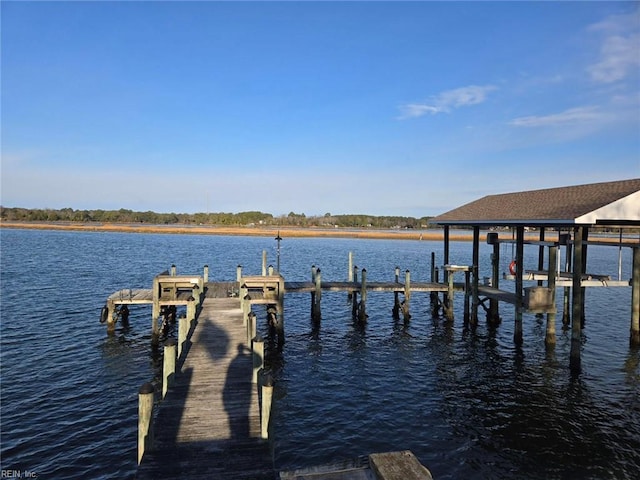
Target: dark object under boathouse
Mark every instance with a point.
(563, 217)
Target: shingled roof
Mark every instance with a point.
(614, 203)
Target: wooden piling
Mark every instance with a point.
(267, 396)
(317, 313)
(183, 331)
(350, 273)
(258, 357)
(493, 316)
(576, 301)
(565, 239)
(314, 271)
(362, 307)
(168, 365)
(433, 296)
(407, 296)
(395, 311)
(173, 270)
(550, 336)
(205, 274)
(354, 294)
(145, 419)
(635, 298)
(475, 302)
(467, 295)
(251, 327)
(264, 263)
(517, 332)
(448, 304)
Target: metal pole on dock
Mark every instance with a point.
(145, 419)
(278, 239)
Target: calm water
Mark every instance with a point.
(467, 403)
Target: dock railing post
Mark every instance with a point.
(267, 396)
(145, 419)
(168, 365)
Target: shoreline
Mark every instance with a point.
(290, 232)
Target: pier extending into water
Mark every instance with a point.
(211, 412)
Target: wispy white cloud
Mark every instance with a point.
(620, 49)
(572, 116)
(447, 101)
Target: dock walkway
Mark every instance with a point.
(208, 425)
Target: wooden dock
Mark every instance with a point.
(208, 425)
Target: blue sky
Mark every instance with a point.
(384, 108)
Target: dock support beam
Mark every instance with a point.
(475, 302)
(635, 299)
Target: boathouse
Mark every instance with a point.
(563, 217)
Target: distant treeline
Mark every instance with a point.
(229, 219)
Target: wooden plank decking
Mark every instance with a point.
(208, 425)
